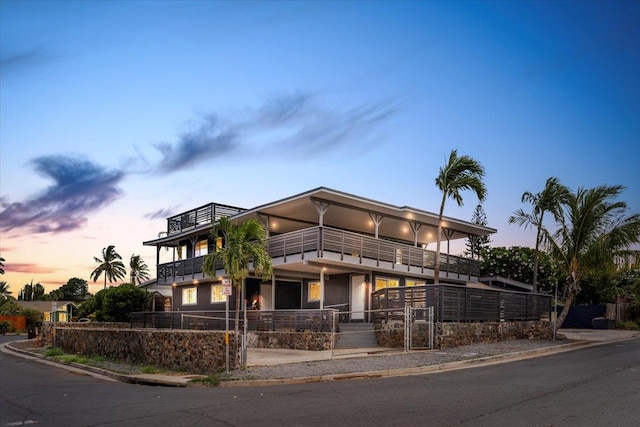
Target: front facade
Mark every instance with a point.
(329, 249)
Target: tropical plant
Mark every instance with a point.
(245, 246)
(476, 246)
(4, 290)
(75, 290)
(139, 271)
(517, 263)
(550, 199)
(458, 174)
(117, 303)
(593, 230)
(110, 265)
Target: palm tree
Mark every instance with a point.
(2, 265)
(110, 265)
(550, 199)
(245, 243)
(139, 269)
(459, 173)
(4, 289)
(592, 231)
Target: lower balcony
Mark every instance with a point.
(342, 247)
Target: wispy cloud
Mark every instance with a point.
(28, 268)
(161, 213)
(79, 187)
(18, 62)
(295, 124)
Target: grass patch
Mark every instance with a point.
(53, 352)
(629, 325)
(149, 369)
(213, 379)
(73, 358)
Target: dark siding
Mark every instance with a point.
(337, 289)
(288, 295)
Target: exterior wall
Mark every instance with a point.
(192, 351)
(312, 341)
(449, 335)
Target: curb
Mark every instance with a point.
(398, 372)
(422, 370)
(92, 371)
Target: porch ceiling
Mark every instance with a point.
(353, 213)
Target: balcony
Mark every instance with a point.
(340, 247)
(207, 214)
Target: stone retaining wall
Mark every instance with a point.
(192, 351)
(457, 334)
(313, 341)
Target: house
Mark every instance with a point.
(63, 309)
(329, 249)
(161, 294)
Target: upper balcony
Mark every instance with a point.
(207, 214)
(319, 246)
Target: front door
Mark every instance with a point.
(358, 297)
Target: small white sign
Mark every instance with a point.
(226, 290)
(226, 282)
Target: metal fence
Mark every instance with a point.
(263, 320)
(454, 303)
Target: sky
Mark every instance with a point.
(115, 115)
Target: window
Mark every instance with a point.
(314, 291)
(202, 248)
(189, 296)
(216, 293)
(411, 282)
(382, 283)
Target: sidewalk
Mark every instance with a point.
(270, 367)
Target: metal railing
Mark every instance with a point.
(453, 303)
(207, 214)
(349, 247)
(257, 320)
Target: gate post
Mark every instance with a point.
(407, 328)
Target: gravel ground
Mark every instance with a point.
(389, 361)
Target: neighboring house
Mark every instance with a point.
(162, 294)
(500, 282)
(63, 309)
(328, 248)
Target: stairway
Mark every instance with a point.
(356, 335)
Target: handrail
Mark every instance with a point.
(349, 245)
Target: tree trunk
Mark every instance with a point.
(565, 310)
(436, 267)
(236, 325)
(535, 263)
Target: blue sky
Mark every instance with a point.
(114, 115)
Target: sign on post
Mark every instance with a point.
(226, 287)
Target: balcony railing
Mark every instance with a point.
(323, 242)
(207, 214)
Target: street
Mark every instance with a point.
(593, 386)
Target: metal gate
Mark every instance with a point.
(418, 328)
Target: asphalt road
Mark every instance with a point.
(590, 387)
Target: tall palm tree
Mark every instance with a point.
(110, 265)
(593, 230)
(245, 244)
(4, 289)
(458, 174)
(139, 270)
(550, 199)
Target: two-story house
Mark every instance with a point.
(328, 248)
